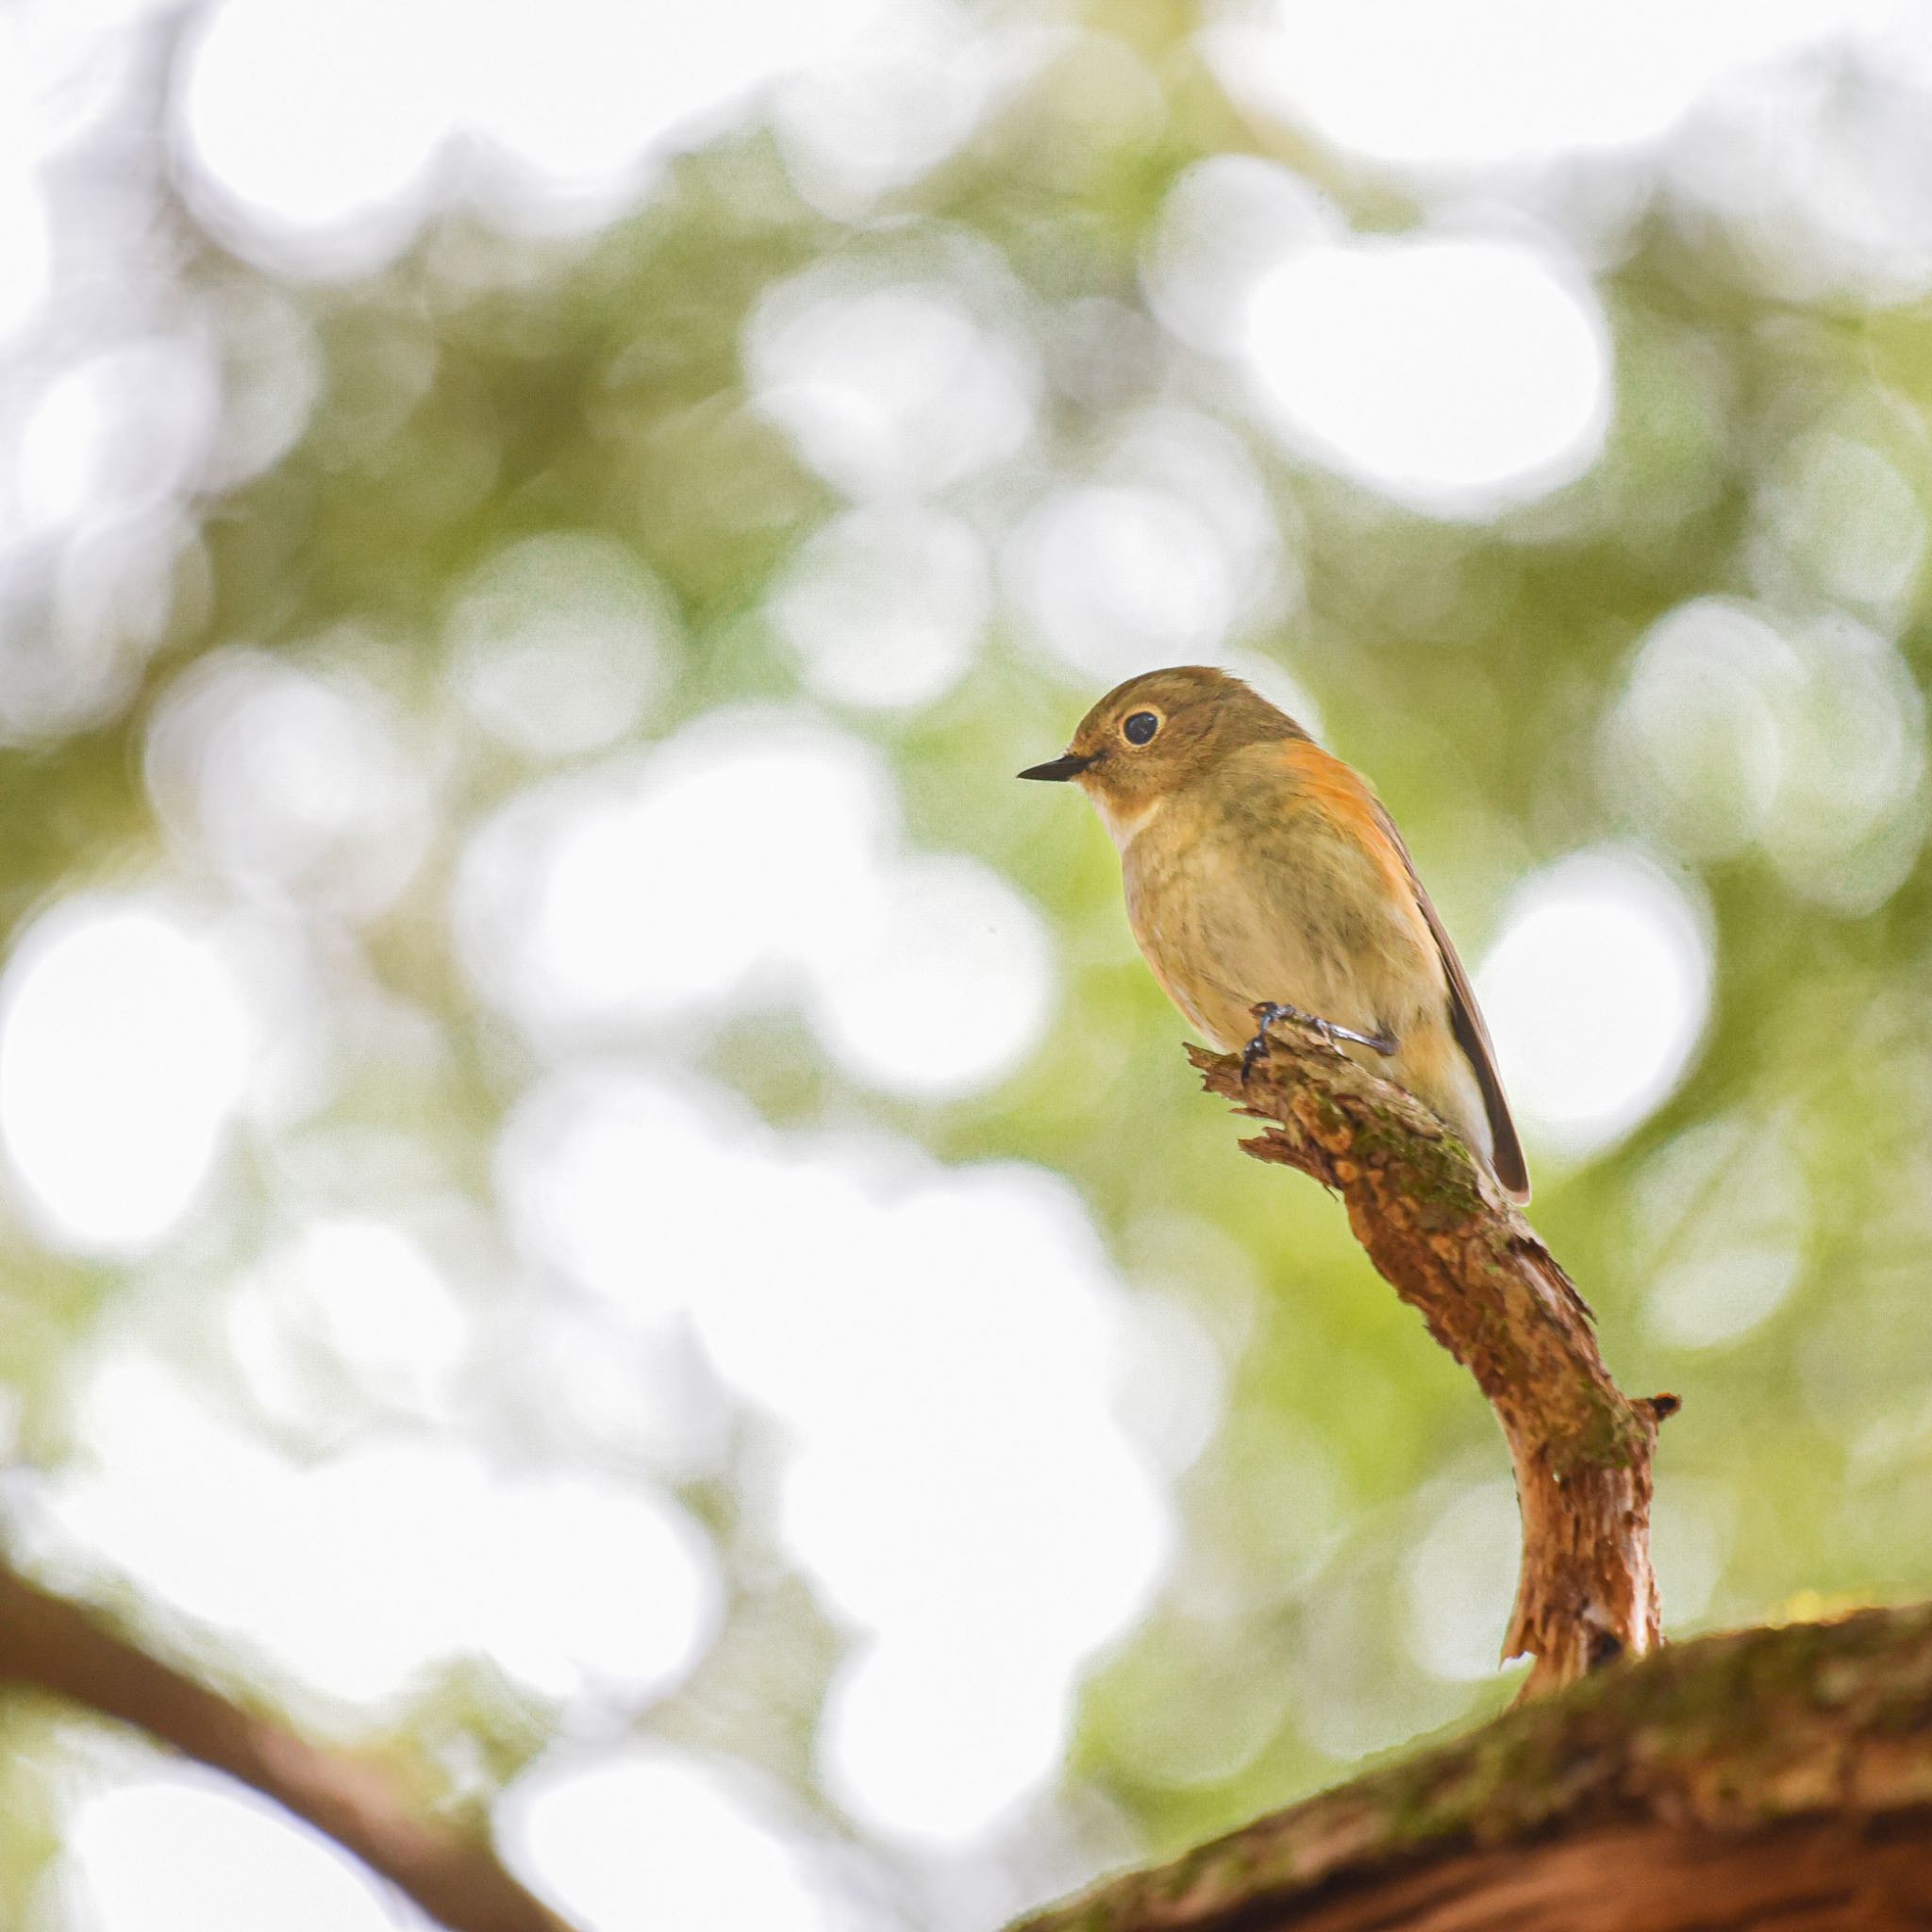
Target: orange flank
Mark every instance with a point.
(1343, 797)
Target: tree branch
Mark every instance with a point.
(48, 1643)
(1453, 1246)
(1777, 1777)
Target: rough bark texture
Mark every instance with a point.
(1453, 1246)
(1775, 1780)
(50, 1644)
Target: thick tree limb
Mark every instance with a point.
(50, 1644)
(1452, 1245)
(1776, 1778)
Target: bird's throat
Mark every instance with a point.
(1124, 827)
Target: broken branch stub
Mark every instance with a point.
(1451, 1243)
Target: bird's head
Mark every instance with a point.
(1156, 735)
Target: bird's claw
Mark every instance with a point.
(1252, 1052)
(1273, 1011)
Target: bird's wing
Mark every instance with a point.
(1466, 1021)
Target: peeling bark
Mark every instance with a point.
(1452, 1245)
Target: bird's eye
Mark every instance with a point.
(1140, 728)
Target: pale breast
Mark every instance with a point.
(1287, 914)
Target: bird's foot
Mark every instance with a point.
(1273, 1011)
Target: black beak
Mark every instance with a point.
(1060, 770)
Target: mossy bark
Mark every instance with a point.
(1769, 1778)
(1439, 1230)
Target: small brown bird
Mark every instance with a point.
(1260, 870)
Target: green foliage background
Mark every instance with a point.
(1472, 668)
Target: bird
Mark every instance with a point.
(1263, 876)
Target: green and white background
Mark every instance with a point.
(596, 1197)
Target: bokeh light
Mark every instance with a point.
(885, 606)
(927, 976)
(24, 242)
(561, 643)
(649, 1839)
(120, 432)
(596, 1199)
(1597, 987)
(892, 386)
(1458, 374)
(359, 1575)
(317, 136)
(156, 1850)
(1164, 556)
(1505, 82)
(980, 1533)
(294, 786)
(872, 112)
(727, 861)
(1461, 1581)
(942, 984)
(366, 1292)
(1808, 739)
(985, 1564)
(314, 125)
(125, 1042)
(1724, 1213)
(1224, 225)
